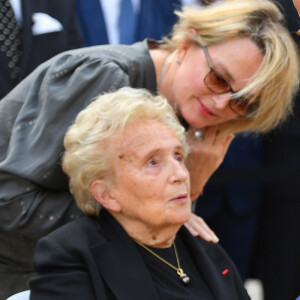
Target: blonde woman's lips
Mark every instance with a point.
(204, 110)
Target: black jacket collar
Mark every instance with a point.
(124, 271)
(126, 280)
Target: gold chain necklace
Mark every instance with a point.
(184, 278)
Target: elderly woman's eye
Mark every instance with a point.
(179, 157)
(152, 162)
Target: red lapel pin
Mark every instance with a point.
(225, 271)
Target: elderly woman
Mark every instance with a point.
(227, 68)
(125, 157)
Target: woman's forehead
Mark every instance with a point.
(143, 137)
(240, 58)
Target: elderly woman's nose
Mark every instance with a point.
(178, 171)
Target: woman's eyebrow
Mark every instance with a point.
(156, 150)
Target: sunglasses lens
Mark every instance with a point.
(216, 83)
(242, 107)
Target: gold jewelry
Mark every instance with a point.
(184, 278)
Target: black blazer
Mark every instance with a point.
(90, 259)
(39, 48)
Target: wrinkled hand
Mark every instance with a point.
(205, 156)
(197, 226)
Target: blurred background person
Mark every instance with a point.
(277, 257)
(125, 21)
(30, 33)
(128, 21)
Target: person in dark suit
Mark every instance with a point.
(134, 248)
(154, 19)
(47, 27)
(278, 243)
(231, 200)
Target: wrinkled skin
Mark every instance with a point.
(149, 194)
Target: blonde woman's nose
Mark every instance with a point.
(221, 101)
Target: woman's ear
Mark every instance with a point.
(100, 189)
(184, 45)
(192, 31)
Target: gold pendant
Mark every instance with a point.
(184, 278)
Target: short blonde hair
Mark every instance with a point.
(276, 82)
(87, 141)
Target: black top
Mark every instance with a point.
(95, 259)
(166, 279)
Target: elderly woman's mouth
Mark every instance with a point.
(204, 110)
(180, 198)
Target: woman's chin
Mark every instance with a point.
(182, 217)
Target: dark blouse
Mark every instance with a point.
(166, 279)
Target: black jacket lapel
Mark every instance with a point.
(216, 268)
(120, 264)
